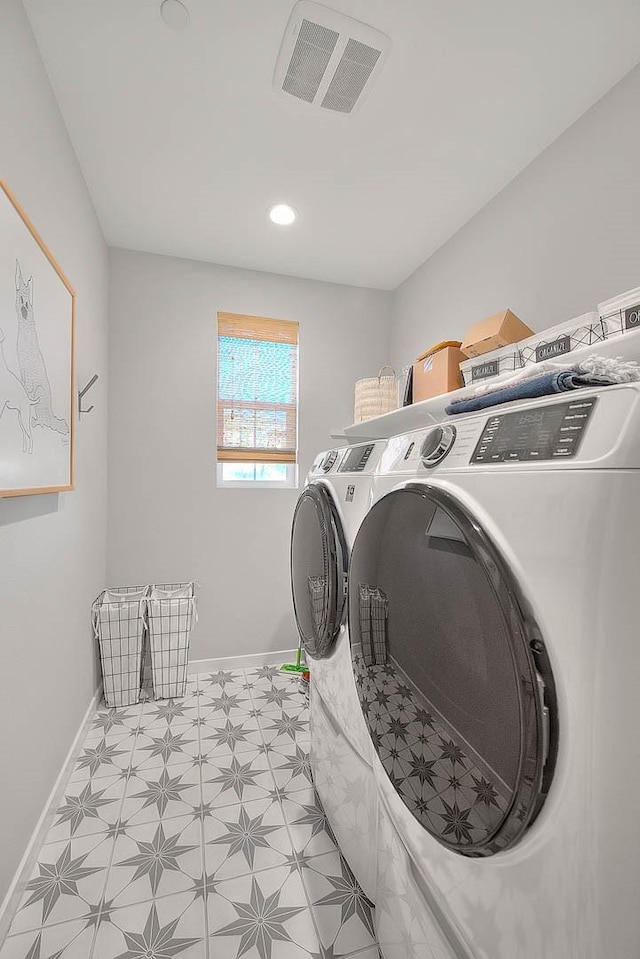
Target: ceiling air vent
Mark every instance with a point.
(327, 58)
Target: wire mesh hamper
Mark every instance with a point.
(375, 395)
(170, 619)
(119, 622)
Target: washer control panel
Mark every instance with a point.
(542, 433)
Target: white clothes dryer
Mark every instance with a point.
(494, 614)
(328, 514)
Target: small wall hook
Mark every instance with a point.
(82, 392)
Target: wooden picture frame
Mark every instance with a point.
(37, 360)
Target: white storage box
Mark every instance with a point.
(557, 341)
(505, 360)
(620, 314)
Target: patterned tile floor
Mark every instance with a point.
(192, 829)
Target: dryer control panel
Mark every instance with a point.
(356, 459)
(598, 428)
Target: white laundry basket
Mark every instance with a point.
(171, 613)
(119, 623)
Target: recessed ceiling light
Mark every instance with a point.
(175, 14)
(282, 214)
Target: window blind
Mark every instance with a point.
(257, 418)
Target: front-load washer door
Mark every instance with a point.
(318, 570)
(451, 670)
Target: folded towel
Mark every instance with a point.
(594, 371)
(604, 368)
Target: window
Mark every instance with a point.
(257, 422)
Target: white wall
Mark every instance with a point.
(564, 235)
(167, 519)
(52, 548)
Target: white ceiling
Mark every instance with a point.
(184, 144)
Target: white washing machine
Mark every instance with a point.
(328, 514)
(494, 615)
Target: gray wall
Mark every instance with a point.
(564, 235)
(52, 548)
(167, 519)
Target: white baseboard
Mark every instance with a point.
(24, 870)
(242, 662)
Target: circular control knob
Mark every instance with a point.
(437, 444)
(329, 460)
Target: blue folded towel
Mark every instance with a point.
(544, 385)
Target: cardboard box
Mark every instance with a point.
(491, 334)
(436, 373)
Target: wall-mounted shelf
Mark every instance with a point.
(397, 421)
(429, 411)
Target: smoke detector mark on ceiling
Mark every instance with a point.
(175, 14)
(328, 59)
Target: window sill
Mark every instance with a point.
(233, 480)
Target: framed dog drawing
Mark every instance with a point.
(37, 326)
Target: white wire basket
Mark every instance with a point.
(119, 624)
(170, 620)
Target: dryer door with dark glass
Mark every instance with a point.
(318, 570)
(451, 670)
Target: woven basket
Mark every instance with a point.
(376, 395)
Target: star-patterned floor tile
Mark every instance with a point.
(123, 714)
(233, 703)
(229, 736)
(101, 758)
(261, 916)
(241, 778)
(65, 940)
(267, 673)
(113, 724)
(274, 698)
(155, 859)
(291, 766)
(308, 826)
(160, 929)
(66, 883)
(298, 710)
(343, 913)
(284, 728)
(161, 792)
(166, 713)
(246, 837)
(280, 681)
(222, 679)
(88, 806)
(166, 748)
